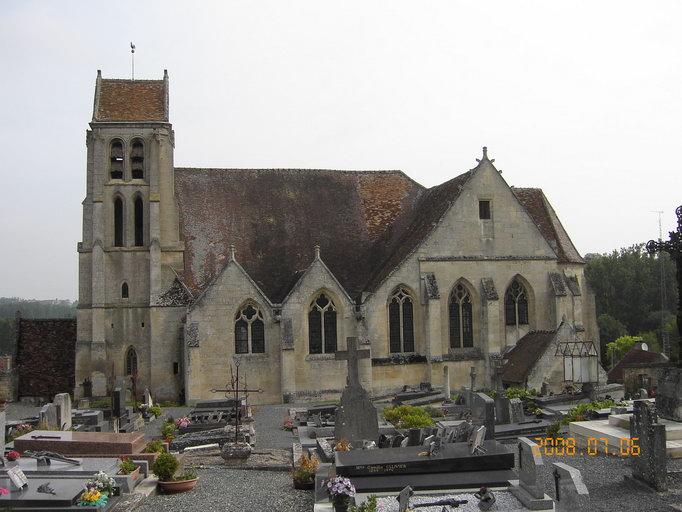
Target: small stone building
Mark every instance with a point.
(638, 369)
(182, 269)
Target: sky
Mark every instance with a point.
(579, 98)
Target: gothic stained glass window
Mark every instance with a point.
(516, 304)
(461, 318)
(401, 322)
(249, 331)
(322, 329)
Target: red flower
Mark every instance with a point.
(12, 455)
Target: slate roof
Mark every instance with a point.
(635, 355)
(522, 357)
(366, 223)
(130, 100)
(544, 217)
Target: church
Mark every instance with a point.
(182, 270)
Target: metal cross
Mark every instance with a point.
(234, 388)
(472, 374)
(353, 356)
(674, 248)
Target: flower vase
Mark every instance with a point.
(341, 504)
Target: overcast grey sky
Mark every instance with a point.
(582, 99)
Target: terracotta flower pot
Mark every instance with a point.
(134, 474)
(172, 487)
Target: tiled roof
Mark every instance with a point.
(634, 355)
(544, 217)
(130, 100)
(274, 217)
(522, 358)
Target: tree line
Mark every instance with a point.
(627, 288)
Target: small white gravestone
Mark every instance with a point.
(63, 403)
(477, 439)
(148, 398)
(17, 478)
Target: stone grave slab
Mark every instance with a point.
(59, 469)
(504, 502)
(452, 458)
(65, 497)
(81, 443)
(434, 481)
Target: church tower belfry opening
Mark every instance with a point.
(130, 232)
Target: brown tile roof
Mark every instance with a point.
(130, 100)
(521, 359)
(544, 217)
(274, 217)
(634, 355)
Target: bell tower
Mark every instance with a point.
(130, 232)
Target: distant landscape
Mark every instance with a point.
(626, 283)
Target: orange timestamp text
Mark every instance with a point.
(566, 447)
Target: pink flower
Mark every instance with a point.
(3, 491)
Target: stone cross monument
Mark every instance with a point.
(356, 416)
(669, 395)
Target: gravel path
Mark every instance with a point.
(229, 490)
(268, 425)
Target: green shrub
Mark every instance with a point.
(187, 475)
(126, 466)
(155, 446)
(165, 466)
(168, 430)
(408, 416)
(368, 506)
(155, 410)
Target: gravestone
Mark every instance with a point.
(469, 394)
(404, 499)
(48, 416)
(99, 384)
(356, 416)
(414, 437)
(483, 413)
(397, 441)
(571, 492)
(476, 440)
(63, 403)
(650, 466)
(118, 404)
(446, 383)
(516, 410)
(529, 490)
(502, 410)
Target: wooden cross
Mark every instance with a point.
(353, 356)
(234, 388)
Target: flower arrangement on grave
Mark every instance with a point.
(93, 498)
(341, 491)
(101, 482)
(3, 491)
(168, 430)
(165, 466)
(183, 422)
(13, 455)
(288, 424)
(19, 430)
(155, 446)
(342, 446)
(126, 466)
(304, 474)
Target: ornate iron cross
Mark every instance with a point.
(234, 388)
(674, 248)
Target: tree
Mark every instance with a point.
(610, 328)
(618, 348)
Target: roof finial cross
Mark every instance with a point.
(485, 156)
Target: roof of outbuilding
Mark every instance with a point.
(130, 100)
(634, 356)
(522, 357)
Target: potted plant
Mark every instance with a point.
(168, 431)
(304, 474)
(341, 491)
(128, 467)
(165, 467)
(155, 446)
(97, 490)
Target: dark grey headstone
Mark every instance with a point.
(501, 409)
(570, 491)
(483, 413)
(650, 466)
(516, 410)
(414, 437)
(118, 403)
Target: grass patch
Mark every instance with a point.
(408, 416)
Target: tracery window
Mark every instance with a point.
(461, 318)
(322, 326)
(116, 160)
(131, 361)
(401, 322)
(249, 331)
(516, 304)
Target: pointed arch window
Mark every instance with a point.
(322, 326)
(116, 160)
(139, 222)
(118, 222)
(401, 322)
(516, 304)
(131, 361)
(249, 330)
(125, 293)
(461, 318)
(137, 160)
